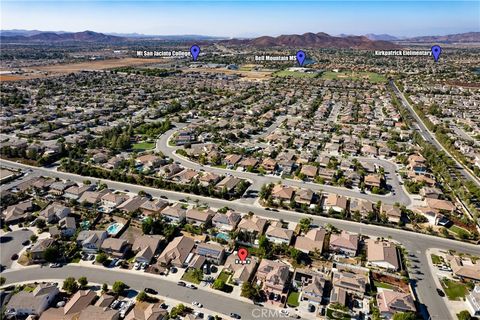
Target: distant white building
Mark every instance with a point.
(473, 301)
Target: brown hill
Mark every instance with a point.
(317, 40)
(450, 38)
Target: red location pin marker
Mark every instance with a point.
(242, 254)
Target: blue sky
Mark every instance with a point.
(245, 18)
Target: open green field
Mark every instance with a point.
(454, 290)
(350, 75)
(295, 74)
(143, 146)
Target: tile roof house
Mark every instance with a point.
(38, 249)
(174, 213)
(77, 303)
(32, 303)
(153, 206)
(115, 247)
(464, 270)
(18, 212)
(176, 252)
(312, 291)
(335, 202)
(229, 183)
(212, 252)
(252, 224)
(91, 240)
(351, 282)
(392, 302)
(226, 221)
(241, 272)
(277, 234)
(146, 246)
(304, 196)
(282, 193)
(274, 275)
(345, 243)
(132, 204)
(364, 207)
(314, 240)
(199, 217)
(147, 311)
(54, 212)
(394, 213)
(382, 254)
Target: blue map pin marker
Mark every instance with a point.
(301, 57)
(436, 50)
(195, 51)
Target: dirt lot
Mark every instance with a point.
(59, 69)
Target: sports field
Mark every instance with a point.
(295, 74)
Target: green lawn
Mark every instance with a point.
(348, 75)
(296, 74)
(188, 276)
(293, 299)
(143, 146)
(454, 290)
(458, 230)
(335, 314)
(436, 259)
(383, 285)
(224, 275)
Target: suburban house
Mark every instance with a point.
(363, 207)
(212, 252)
(226, 221)
(199, 217)
(91, 240)
(151, 207)
(147, 311)
(174, 213)
(277, 234)
(79, 302)
(115, 247)
(312, 291)
(145, 247)
(241, 272)
(382, 254)
(38, 249)
(335, 202)
(312, 241)
(229, 183)
(67, 226)
(132, 204)
(344, 243)
(463, 270)
(274, 275)
(54, 212)
(392, 302)
(34, 303)
(351, 282)
(393, 213)
(176, 252)
(112, 200)
(18, 212)
(304, 196)
(282, 193)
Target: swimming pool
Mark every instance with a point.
(114, 228)
(223, 236)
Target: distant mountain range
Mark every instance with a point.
(308, 40)
(451, 38)
(87, 36)
(316, 40)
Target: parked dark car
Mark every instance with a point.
(14, 256)
(181, 283)
(235, 315)
(150, 290)
(440, 293)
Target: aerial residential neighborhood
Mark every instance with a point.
(224, 172)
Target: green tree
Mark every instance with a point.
(305, 224)
(82, 281)
(101, 258)
(51, 254)
(118, 287)
(219, 284)
(250, 291)
(70, 285)
(33, 238)
(2, 281)
(464, 315)
(404, 316)
(142, 296)
(105, 287)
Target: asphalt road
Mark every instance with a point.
(430, 137)
(399, 196)
(414, 242)
(137, 281)
(11, 243)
